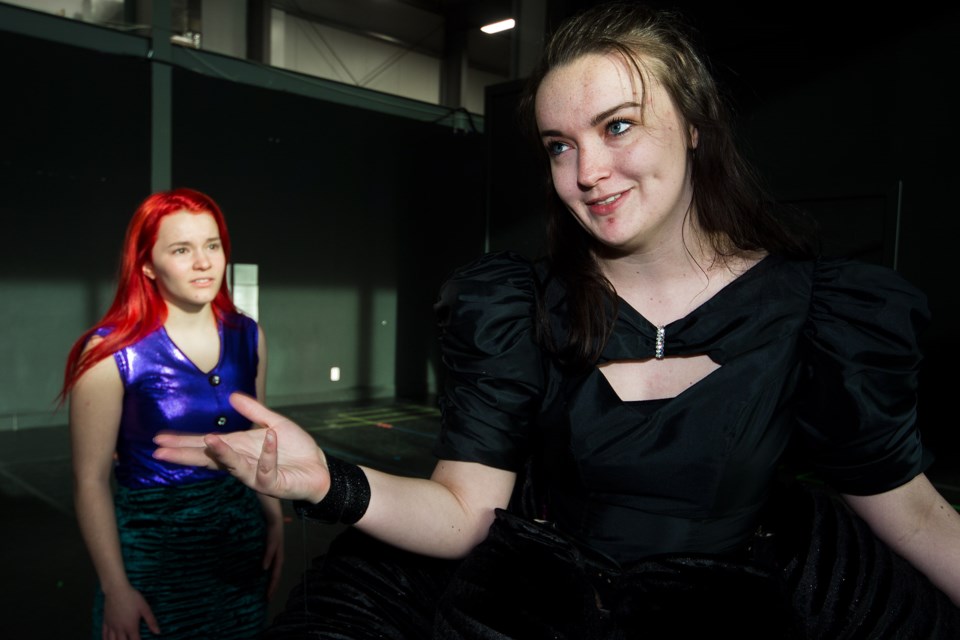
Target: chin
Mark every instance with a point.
(607, 248)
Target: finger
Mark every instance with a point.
(192, 457)
(151, 621)
(222, 453)
(271, 561)
(252, 410)
(168, 439)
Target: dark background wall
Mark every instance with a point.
(74, 162)
(332, 198)
(352, 216)
(355, 216)
(848, 113)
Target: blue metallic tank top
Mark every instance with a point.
(165, 391)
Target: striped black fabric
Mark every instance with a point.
(195, 553)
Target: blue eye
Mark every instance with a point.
(618, 127)
(555, 148)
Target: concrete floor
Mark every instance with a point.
(47, 582)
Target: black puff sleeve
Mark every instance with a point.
(493, 378)
(858, 404)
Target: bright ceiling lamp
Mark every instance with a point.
(497, 27)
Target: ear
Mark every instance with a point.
(694, 137)
(149, 272)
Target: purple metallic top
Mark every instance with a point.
(165, 391)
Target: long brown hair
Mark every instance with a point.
(731, 207)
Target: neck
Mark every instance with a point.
(666, 281)
(686, 256)
(187, 317)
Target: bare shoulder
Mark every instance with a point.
(103, 374)
(92, 342)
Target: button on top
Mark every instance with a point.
(222, 420)
(214, 379)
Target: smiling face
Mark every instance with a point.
(619, 156)
(187, 261)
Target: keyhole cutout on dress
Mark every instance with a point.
(651, 379)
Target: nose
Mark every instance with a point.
(201, 261)
(593, 165)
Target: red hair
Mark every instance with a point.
(138, 309)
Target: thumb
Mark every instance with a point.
(267, 464)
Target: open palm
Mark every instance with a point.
(280, 459)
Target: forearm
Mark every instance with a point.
(935, 550)
(98, 528)
(934, 546)
(445, 516)
(920, 525)
(272, 511)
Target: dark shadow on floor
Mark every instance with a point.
(46, 579)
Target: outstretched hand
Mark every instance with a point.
(280, 459)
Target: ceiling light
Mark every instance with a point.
(497, 27)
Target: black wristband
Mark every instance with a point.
(347, 499)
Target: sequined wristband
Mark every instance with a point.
(347, 500)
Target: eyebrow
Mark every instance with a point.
(186, 243)
(597, 119)
(603, 115)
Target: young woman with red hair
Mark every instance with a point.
(181, 551)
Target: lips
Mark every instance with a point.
(605, 205)
(612, 198)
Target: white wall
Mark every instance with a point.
(86, 10)
(224, 27)
(317, 50)
(305, 47)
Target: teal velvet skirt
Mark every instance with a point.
(195, 552)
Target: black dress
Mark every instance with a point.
(666, 518)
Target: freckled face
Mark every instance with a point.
(619, 158)
(187, 261)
